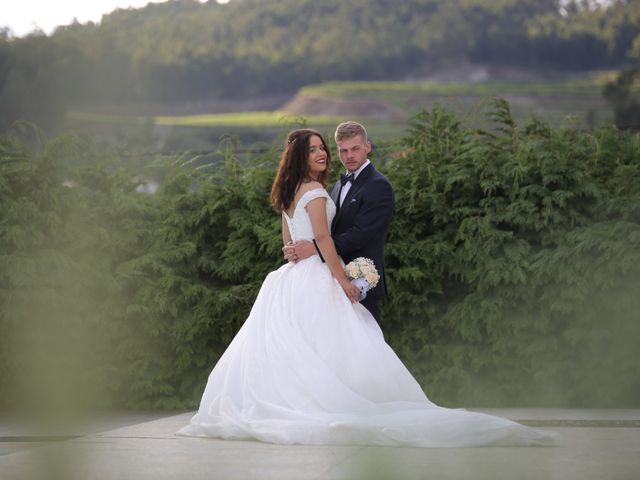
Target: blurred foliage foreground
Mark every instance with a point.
(514, 265)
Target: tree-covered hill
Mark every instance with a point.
(185, 50)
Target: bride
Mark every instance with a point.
(310, 364)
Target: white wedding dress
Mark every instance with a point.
(309, 367)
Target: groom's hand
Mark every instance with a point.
(289, 251)
(296, 251)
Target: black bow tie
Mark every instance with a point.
(346, 178)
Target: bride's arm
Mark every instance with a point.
(317, 213)
(286, 236)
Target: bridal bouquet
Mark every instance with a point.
(363, 274)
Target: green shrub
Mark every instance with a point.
(513, 265)
(513, 259)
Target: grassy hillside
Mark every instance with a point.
(385, 107)
(577, 97)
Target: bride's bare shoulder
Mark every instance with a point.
(308, 186)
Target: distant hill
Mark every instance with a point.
(386, 107)
(185, 51)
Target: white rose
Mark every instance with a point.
(352, 270)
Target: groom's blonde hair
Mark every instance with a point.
(350, 129)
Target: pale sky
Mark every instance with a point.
(23, 16)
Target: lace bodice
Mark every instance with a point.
(300, 223)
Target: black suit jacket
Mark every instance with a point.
(360, 227)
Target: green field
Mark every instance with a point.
(247, 119)
(575, 99)
(240, 119)
(571, 100)
(590, 84)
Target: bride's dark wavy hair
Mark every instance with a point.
(294, 168)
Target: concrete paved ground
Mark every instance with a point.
(595, 445)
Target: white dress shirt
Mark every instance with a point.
(347, 186)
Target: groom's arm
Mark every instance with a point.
(374, 216)
(295, 251)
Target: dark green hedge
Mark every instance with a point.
(513, 265)
(516, 260)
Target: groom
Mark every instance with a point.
(365, 203)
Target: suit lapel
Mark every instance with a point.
(357, 184)
(335, 192)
